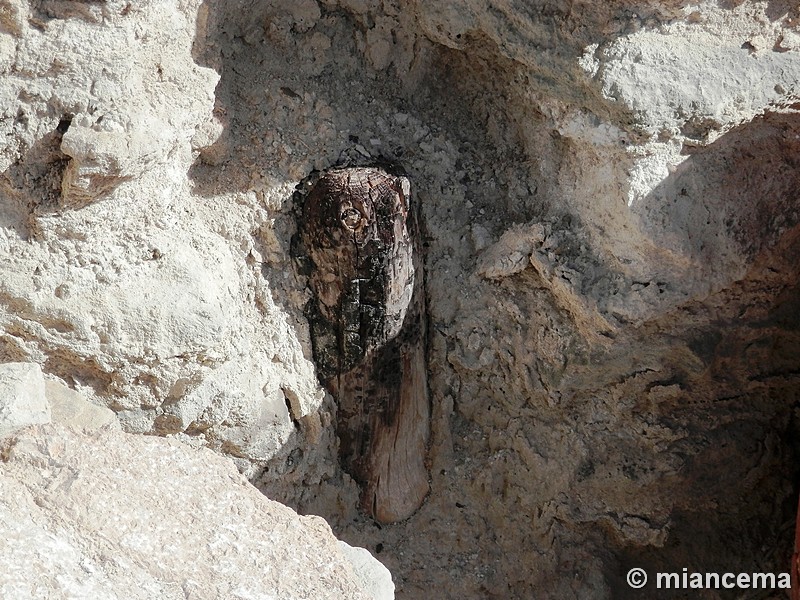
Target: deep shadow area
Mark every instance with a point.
(738, 398)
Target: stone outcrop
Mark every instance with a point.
(112, 278)
(118, 516)
(610, 219)
(91, 512)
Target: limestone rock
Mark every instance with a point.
(512, 252)
(624, 388)
(117, 277)
(376, 579)
(111, 515)
(22, 397)
(70, 409)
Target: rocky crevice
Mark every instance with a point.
(609, 194)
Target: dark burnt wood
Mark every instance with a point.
(360, 239)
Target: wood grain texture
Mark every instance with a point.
(360, 236)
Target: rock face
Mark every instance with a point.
(90, 512)
(22, 397)
(609, 194)
(373, 576)
(112, 279)
(110, 515)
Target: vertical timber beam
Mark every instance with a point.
(360, 235)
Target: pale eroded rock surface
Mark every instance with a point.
(69, 408)
(609, 192)
(22, 397)
(115, 279)
(373, 576)
(111, 515)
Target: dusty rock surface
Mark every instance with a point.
(111, 515)
(374, 578)
(22, 397)
(609, 194)
(69, 408)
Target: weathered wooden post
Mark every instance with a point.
(360, 235)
